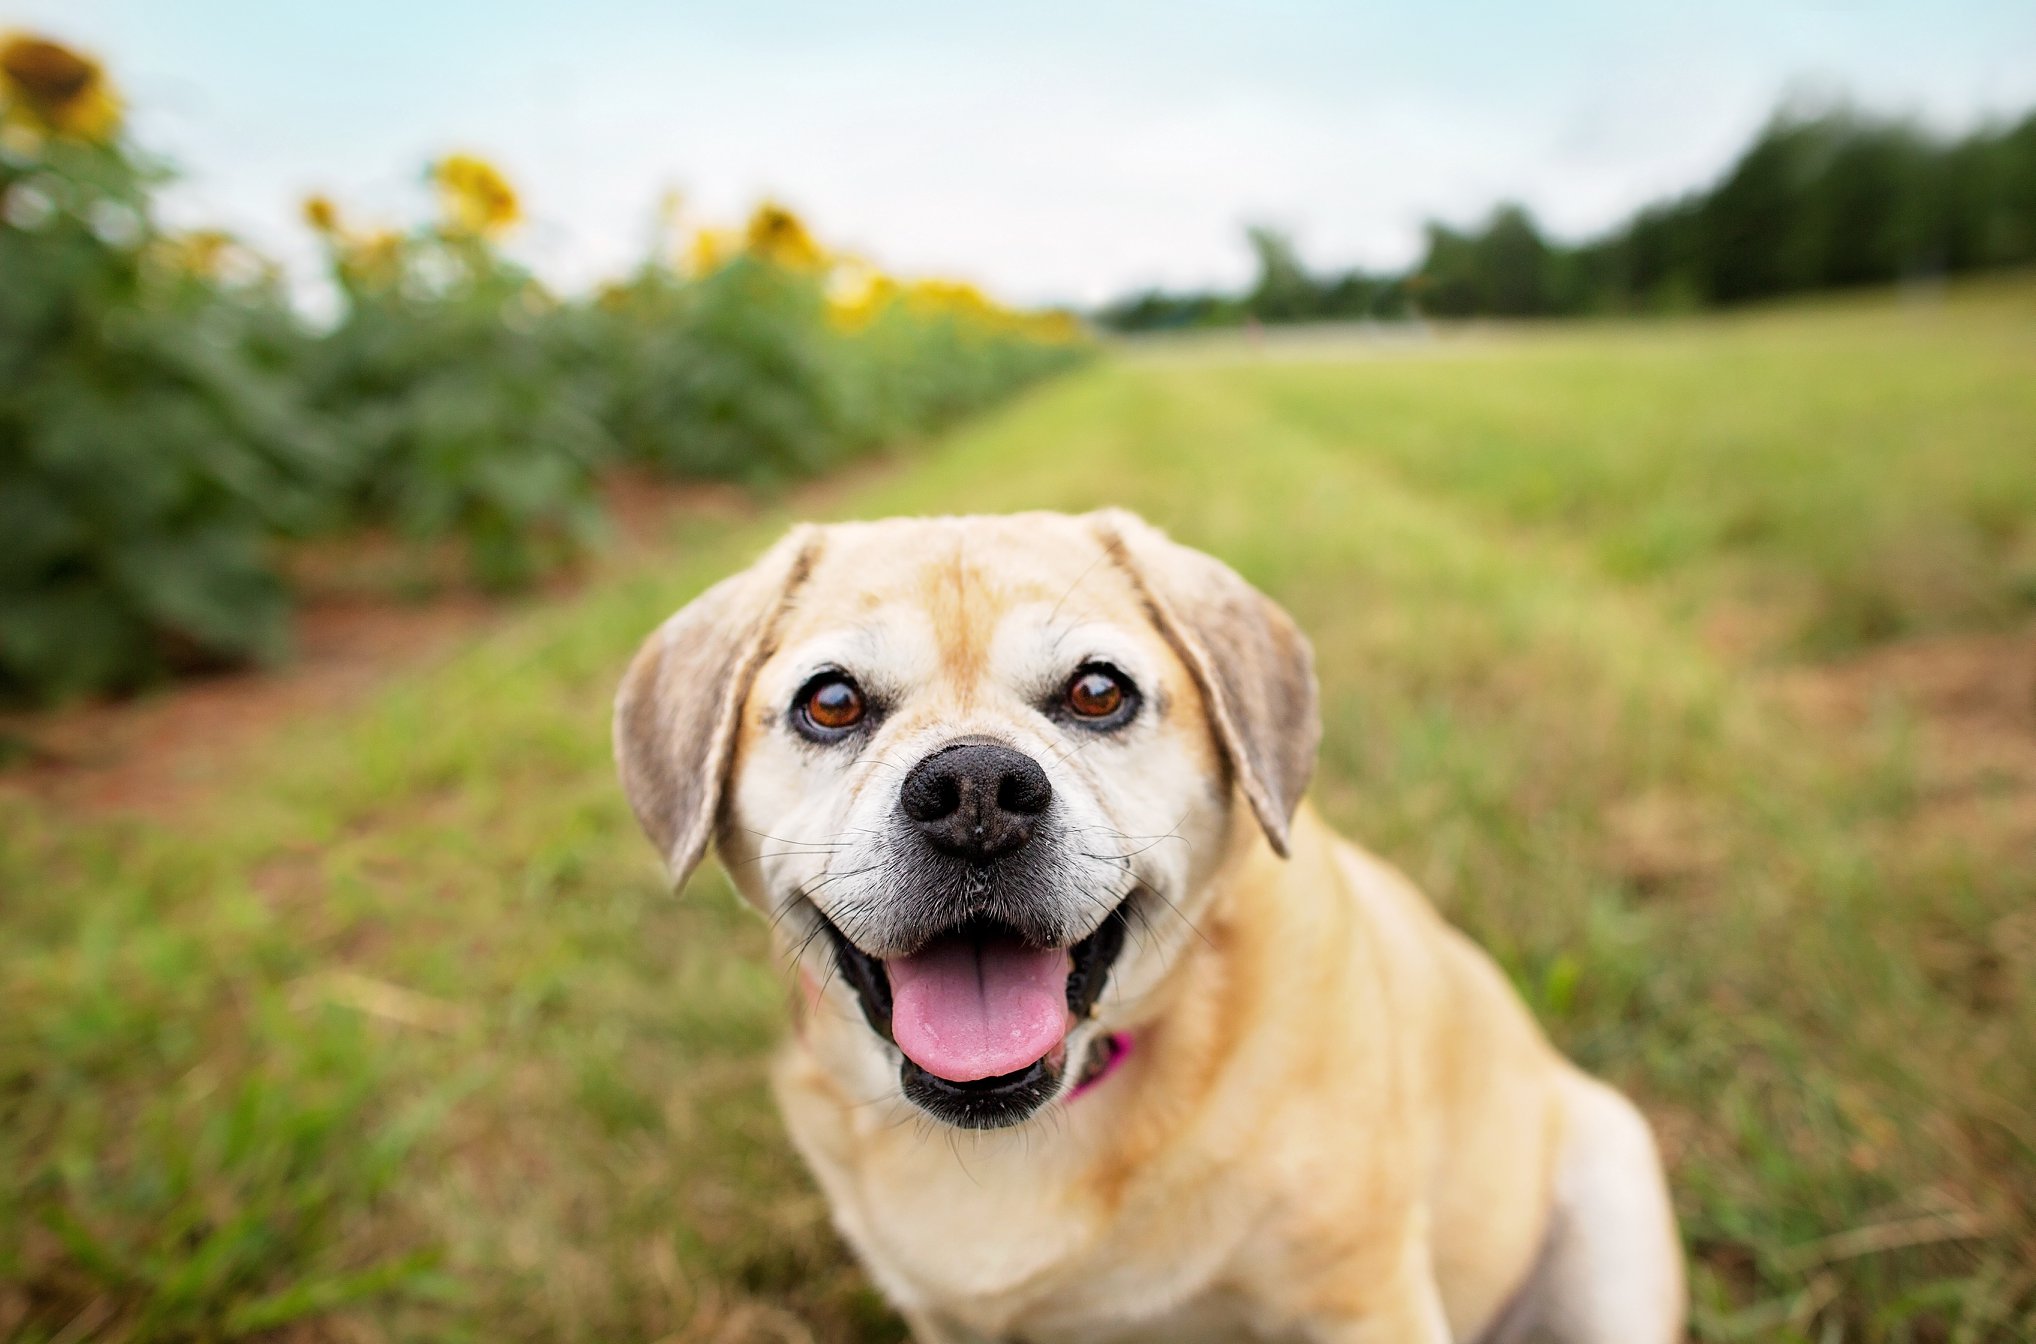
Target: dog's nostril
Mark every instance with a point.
(976, 800)
(1025, 791)
(931, 797)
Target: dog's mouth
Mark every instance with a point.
(980, 1014)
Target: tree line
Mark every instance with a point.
(1820, 200)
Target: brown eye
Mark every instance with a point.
(1095, 693)
(832, 703)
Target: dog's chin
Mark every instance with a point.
(970, 1088)
(985, 1103)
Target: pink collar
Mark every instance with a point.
(1116, 1049)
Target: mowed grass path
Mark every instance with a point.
(400, 1036)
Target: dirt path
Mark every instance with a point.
(1967, 704)
(356, 631)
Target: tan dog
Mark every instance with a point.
(1105, 1035)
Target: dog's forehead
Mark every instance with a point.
(961, 578)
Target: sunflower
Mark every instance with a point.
(778, 236)
(203, 252)
(51, 88)
(374, 258)
(1056, 326)
(476, 198)
(954, 297)
(710, 251)
(321, 214)
(857, 293)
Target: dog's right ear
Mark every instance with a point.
(678, 709)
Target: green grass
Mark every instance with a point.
(399, 1037)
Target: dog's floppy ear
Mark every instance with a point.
(676, 713)
(1253, 665)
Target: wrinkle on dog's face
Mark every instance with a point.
(969, 631)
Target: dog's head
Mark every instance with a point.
(957, 760)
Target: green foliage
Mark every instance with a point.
(149, 445)
(749, 373)
(1285, 292)
(730, 377)
(926, 360)
(1505, 269)
(459, 405)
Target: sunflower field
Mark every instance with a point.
(171, 425)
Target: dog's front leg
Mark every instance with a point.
(1400, 1306)
(927, 1328)
(1414, 1317)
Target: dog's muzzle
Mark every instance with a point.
(985, 975)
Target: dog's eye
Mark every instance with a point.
(1098, 693)
(830, 704)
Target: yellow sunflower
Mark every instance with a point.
(321, 214)
(51, 88)
(778, 236)
(202, 252)
(1057, 326)
(857, 293)
(955, 297)
(374, 258)
(475, 197)
(710, 251)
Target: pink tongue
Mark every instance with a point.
(964, 1010)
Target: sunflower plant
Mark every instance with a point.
(461, 416)
(151, 438)
(759, 354)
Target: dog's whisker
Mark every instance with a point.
(1182, 916)
(1070, 754)
(787, 840)
(786, 854)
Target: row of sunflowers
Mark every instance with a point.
(170, 426)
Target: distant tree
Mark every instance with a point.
(1513, 271)
(1445, 284)
(1504, 269)
(1749, 238)
(1285, 292)
(1156, 310)
(1353, 294)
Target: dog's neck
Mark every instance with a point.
(1258, 924)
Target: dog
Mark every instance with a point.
(1102, 1034)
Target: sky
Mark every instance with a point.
(1051, 151)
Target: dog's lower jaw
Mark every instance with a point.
(986, 1103)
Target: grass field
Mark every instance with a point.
(1688, 666)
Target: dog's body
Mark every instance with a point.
(1334, 1120)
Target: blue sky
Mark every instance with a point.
(1052, 151)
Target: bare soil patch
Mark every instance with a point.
(1964, 705)
(371, 609)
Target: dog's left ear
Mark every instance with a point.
(1253, 665)
(681, 700)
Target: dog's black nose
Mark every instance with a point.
(975, 800)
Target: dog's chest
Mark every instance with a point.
(1009, 1246)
